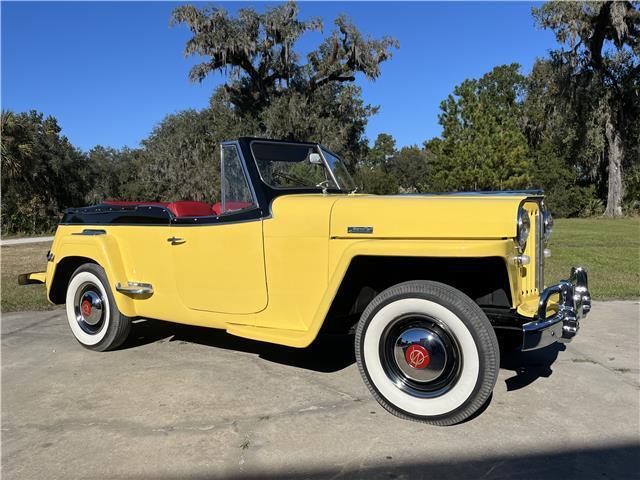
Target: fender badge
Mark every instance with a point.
(359, 229)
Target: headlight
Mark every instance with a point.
(547, 226)
(524, 225)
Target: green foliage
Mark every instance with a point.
(482, 145)
(42, 173)
(180, 159)
(598, 71)
(375, 180)
(114, 174)
(410, 167)
(565, 127)
(272, 88)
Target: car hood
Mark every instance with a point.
(468, 215)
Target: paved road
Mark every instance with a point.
(21, 241)
(183, 402)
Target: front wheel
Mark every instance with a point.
(92, 312)
(427, 352)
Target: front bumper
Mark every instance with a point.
(574, 302)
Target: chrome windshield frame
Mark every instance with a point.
(320, 149)
(326, 164)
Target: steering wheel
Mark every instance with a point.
(291, 178)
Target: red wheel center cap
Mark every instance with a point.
(417, 356)
(86, 308)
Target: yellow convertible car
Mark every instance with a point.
(427, 282)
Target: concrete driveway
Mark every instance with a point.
(186, 402)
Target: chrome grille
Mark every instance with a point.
(539, 250)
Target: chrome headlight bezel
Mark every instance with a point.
(524, 228)
(547, 226)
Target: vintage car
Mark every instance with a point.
(427, 282)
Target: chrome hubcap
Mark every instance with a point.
(420, 356)
(89, 308)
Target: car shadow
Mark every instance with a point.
(328, 353)
(616, 460)
(529, 366)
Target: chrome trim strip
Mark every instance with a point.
(91, 231)
(135, 288)
(539, 252)
(223, 197)
(326, 164)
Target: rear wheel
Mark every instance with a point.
(92, 313)
(427, 352)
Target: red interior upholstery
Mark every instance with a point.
(188, 208)
(217, 207)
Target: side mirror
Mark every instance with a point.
(315, 158)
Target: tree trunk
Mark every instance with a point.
(616, 153)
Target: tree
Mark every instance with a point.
(410, 167)
(42, 173)
(372, 173)
(180, 158)
(114, 174)
(383, 150)
(562, 142)
(270, 85)
(603, 40)
(482, 145)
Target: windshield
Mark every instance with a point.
(291, 165)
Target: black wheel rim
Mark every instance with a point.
(89, 308)
(420, 355)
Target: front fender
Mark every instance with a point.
(343, 251)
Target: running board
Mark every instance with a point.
(291, 338)
(135, 288)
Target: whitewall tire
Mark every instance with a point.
(427, 352)
(92, 313)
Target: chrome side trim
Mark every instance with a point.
(135, 288)
(91, 231)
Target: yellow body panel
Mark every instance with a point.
(427, 217)
(275, 279)
(220, 268)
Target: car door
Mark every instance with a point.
(218, 261)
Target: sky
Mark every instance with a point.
(109, 72)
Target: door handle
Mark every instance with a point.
(175, 240)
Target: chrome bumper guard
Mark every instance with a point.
(573, 304)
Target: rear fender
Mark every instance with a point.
(101, 249)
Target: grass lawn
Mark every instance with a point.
(609, 249)
(18, 259)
